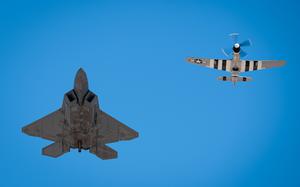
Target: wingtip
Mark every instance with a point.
(282, 62)
(189, 59)
(134, 135)
(25, 130)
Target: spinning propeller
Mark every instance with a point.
(237, 46)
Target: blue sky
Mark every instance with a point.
(194, 130)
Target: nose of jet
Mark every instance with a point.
(81, 83)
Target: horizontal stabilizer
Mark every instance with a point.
(55, 150)
(104, 152)
(234, 79)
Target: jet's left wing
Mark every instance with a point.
(219, 64)
(47, 127)
(253, 65)
(111, 130)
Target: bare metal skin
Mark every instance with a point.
(235, 65)
(80, 124)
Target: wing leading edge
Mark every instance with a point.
(254, 65)
(47, 127)
(219, 64)
(112, 130)
(245, 65)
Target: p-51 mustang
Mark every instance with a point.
(235, 65)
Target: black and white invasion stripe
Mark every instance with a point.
(250, 65)
(220, 64)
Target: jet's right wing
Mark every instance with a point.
(47, 127)
(219, 64)
(111, 130)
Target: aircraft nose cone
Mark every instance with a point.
(81, 82)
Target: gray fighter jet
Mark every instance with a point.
(80, 124)
(235, 65)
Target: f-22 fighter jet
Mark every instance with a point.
(235, 65)
(80, 124)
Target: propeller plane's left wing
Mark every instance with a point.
(219, 64)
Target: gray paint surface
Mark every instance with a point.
(80, 124)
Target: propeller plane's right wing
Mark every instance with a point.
(219, 64)
(253, 65)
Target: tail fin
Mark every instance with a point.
(235, 79)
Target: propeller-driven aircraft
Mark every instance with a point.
(235, 65)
